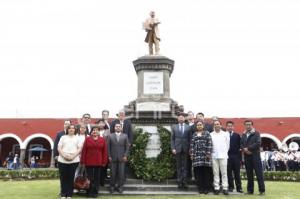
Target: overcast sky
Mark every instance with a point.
(232, 58)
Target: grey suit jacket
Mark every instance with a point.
(180, 142)
(117, 149)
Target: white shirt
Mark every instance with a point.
(102, 133)
(263, 156)
(107, 124)
(88, 126)
(122, 123)
(81, 139)
(221, 144)
(297, 154)
(181, 127)
(191, 123)
(69, 145)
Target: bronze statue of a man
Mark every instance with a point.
(152, 37)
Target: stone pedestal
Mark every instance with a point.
(153, 105)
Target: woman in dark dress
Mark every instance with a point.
(201, 148)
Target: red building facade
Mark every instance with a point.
(20, 135)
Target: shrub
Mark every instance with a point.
(28, 174)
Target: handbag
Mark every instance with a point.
(82, 182)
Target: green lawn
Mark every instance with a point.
(48, 189)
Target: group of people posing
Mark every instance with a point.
(215, 153)
(91, 147)
(211, 151)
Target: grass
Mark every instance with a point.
(48, 189)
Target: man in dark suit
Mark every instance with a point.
(191, 122)
(180, 144)
(86, 120)
(208, 126)
(118, 151)
(125, 124)
(250, 145)
(105, 116)
(234, 158)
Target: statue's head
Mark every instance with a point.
(152, 14)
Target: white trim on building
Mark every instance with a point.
(290, 136)
(272, 137)
(11, 135)
(37, 135)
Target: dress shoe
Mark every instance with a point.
(92, 196)
(205, 192)
(240, 190)
(120, 190)
(111, 190)
(249, 193)
(261, 193)
(200, 191)
(225, 192)
(180, 186)
(185, 186)
(216, 192)
(230, 189)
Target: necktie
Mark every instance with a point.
(118, 137)
(181, 129)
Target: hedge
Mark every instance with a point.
(277, 176)
(34, 174)
(29, 174)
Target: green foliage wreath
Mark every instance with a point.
(157, 169)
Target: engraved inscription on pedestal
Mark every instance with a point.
(153, 106)
(153, 83)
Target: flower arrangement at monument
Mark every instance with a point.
(156, 169)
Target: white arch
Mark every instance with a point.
(11, 135)
(37, 135)
(272, 137)
(290, 136)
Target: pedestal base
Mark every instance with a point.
(153, 112)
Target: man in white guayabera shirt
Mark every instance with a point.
(221, 143)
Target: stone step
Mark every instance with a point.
(150, 193)
(142, 187)
(177, 192)
(155, 187)
(138, 189)
(140, 181)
